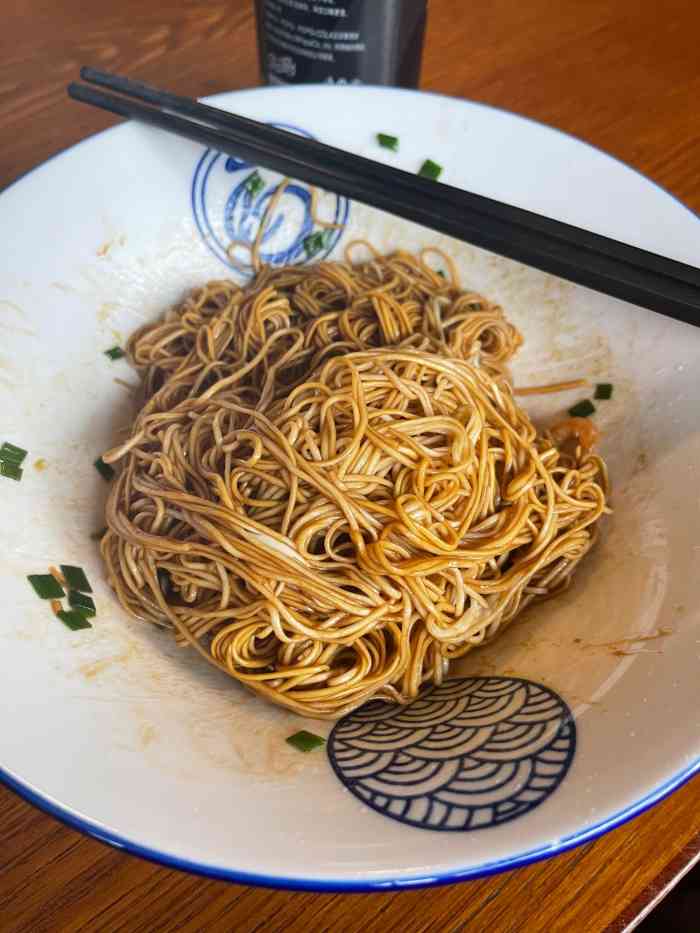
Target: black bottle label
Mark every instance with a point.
(341, 41)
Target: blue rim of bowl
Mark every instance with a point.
(587, 834)
(329, 885)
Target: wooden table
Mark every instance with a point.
(624, 76)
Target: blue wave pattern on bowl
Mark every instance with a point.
(228, 213)
(472, 753)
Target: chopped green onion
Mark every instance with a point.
(104, 469)
(315, 242)
(441, 274)
(430, 169)
(604, 391)
(476, 306)
(98, 535)
(45, 586)
(388, 142)
(75, 578)
(11, 454)
(582, 409)
(115, 353)
(73, 619)
(254, 184)
(82, 603)
(305, 741)
(11, 470)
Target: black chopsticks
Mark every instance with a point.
(609, 266)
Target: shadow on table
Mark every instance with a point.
(680, 911)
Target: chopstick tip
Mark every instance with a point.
(88, 73)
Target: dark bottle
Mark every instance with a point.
(341, 41)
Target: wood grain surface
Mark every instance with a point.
(625, 76)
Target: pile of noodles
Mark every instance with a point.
(330, 491)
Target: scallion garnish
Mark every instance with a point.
(315, 242)
(305, 741)
(73, 619)
(11, 470)
(254, 184)
(75, 578)
(430, 169)
(45, 586)
(58, 576)
(582, 409)
(104, 469)
(388, 142)
(603, 391)
(82, 603)
(11, 454)
(98, 535)
(476, 306)
(115, 353)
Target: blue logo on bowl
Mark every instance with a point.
(469, 754)
(230, 198)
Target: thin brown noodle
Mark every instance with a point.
(330, 491)
(254, 249)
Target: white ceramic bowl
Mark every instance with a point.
(145, 746)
